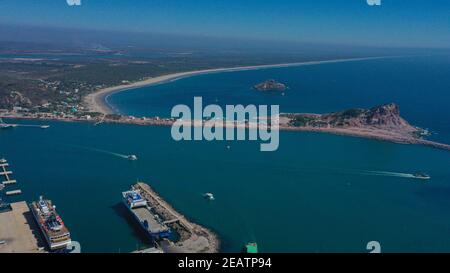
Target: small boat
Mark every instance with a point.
(251, 248)
(45, 126)
(3, 161)
(421, 176)
(208, 196)
(132, 157)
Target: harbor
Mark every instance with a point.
(193, 238)
(36, 230)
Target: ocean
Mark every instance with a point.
(316, 193)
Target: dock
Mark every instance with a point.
(4, 169)
(18, 232)
(14, 192)
(11, 125)
(193, 237)
(8, 180)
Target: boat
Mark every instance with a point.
(50, 223)
(146, 217)
(251, 248)
(132, 157)
(45, 126)
(3, 161)
(421, 176)
(209, 196)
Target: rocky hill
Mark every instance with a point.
(385, 116)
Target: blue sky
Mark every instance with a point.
(424, 23)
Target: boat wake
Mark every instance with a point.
(391, 174)
(105, 152)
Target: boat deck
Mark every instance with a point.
(53, 233)
(154, 225)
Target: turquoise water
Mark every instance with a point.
(317, 193)
(420, 85)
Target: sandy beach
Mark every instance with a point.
(96, 101)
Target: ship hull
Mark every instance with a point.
(52, 246)
(155, 236)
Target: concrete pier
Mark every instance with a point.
(9, 182)
(193, 237)
(18, 231)
(14, 192)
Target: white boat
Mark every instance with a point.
(209, 196)
(132, 157)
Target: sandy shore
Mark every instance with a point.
(96, 101)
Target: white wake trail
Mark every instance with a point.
(103, 151)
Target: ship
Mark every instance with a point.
(147, 219)
(421, 176)
(50, 223)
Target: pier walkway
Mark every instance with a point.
(193, 238)
(8, 181)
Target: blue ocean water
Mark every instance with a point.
(316, 193)
(419, 85)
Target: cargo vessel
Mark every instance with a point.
(150, 221)
(50, 223)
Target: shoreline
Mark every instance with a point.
(363, 132)
(97, 101)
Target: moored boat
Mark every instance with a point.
(50, 223)
(147, 218)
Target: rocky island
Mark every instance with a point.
(270, 85)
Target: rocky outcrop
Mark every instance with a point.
(270, 85)
(385, 116)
